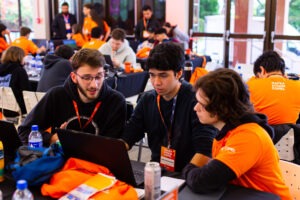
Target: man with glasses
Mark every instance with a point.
(84, 103)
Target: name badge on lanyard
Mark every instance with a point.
(167, 155)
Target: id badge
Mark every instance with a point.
(145, 34)
(68, 26)
(167, 158)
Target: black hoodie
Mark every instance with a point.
(55, 72)
(18, 81)
(56, 107)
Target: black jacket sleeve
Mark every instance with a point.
(210, 177)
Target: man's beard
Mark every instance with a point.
(65, 13)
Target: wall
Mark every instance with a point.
(41, 26)
(177, 12)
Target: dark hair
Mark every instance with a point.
(76, 28)
(166, 56)
(271, 61)
(160, 31)
(13, 54)
(167, 24)
(91, 57)
(2, 28)
(65, 4)
(171, 32)
(64, 51)
(24, 31)
(227, 93)
(96, 32)
(118, 34)
(88, 5)
(146, 7)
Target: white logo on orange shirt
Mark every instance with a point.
(228, 149)
(278, 86)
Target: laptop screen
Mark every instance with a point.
(40, 42)
(70, 43)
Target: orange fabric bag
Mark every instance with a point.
(198, 72)
(76, 172)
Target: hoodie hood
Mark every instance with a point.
(8, 68)
(71, 89)
(51, 59)
(258, 118)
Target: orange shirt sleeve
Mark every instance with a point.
(32, 48)
(105, 26)
(3, 45)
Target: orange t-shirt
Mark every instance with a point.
(27, 45)
(89, 24)
(93, 44)
(3, 44)
(249, 151)
(277, 97)
(79, 39)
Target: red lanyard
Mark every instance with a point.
(169, 130)
(91, 117)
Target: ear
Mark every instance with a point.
(263, 72)
(178, 74)
(73, 77)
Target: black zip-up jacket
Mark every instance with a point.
(189, 136)
(18, 81)
(56, 107)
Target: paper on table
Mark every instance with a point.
(168, 183)
(140, 193)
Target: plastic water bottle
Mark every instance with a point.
(27, 61)
(22, 193)
(35, 138)
(32, 71)
(51, 47)
(188, 70)
(38, 64)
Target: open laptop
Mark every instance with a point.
(105, 151)
(40, 42)
(10, 140)
(70, 43)
(108, 60)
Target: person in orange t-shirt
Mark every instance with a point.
(78, 36)
(272, 93)
(27, 45)
(243, 153)
(3, 41)
(96, 40)
(92, 19)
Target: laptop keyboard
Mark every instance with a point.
(139, 176)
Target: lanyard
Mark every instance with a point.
(66, 18)
(91, 117)
(145, 23)
(169, 130)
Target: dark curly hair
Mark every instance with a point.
(227, 93)
(271, 61)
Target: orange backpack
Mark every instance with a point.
(76, 172)
(198, 72)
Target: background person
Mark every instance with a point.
(27, 45)
(243, 151)
(78, 36)
(4, 42)
(13, 74)
(119, 50)
(63, 22)
(148, 21)
(272, 93)
(84, 96)
(57, 68)
(96, 39)
(166, 113)
(176, 33)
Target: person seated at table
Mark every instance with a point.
(119, 50)
(4, 42)
(78, 36)
(144, 48)
(57, 68)
(176, 33)
(271, 92)
(13, 74)
(166, 114)
(161, 36)
(96, 39)
(243, 151)
(27, 45)
(85, 103)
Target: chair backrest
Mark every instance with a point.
(285, 146)
(8, 100)
(291, 176)
(31, 99)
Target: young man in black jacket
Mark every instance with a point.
(84, 103)
(166, 114)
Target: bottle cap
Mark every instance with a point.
(21, 184)
(34, 128)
